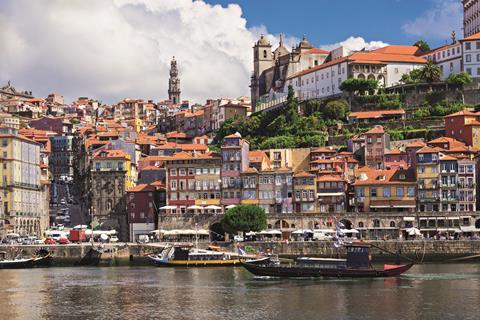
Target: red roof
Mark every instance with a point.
(317, 50)
(376, 129)
(475, 36)
(111, 154)
(304, 174)
(464, 112)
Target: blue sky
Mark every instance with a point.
(326, 21)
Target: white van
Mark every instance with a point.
(320, 236)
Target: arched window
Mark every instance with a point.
(109, 204)
(360, 224)
(392, 224)
(376, 223)
(264, 53)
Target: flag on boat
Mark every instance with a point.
(241, 252)
(339, 235)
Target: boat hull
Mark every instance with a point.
(17, 264)
(195, 263)
(303, 272)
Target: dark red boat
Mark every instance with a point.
(356, 265)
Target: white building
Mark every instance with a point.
(471, 55)
(386, 65)
(448, 58)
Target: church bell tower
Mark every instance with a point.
(174, 83)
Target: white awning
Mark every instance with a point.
(212, 207)
(194, 207)
(272, 232)
(404, 206)
(453, 218)
(456, 230)
(408, 218)
(230, 206)
(302, 231)
(330, 194)
(168, 207)
(469, 229)
(379, 206)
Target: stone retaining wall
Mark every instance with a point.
(135, 254)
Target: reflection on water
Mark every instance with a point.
(426, 292)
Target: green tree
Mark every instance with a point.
(459, 81)
(335, 109)
(291, 110)
(430, 72)
(311, 141)
(422, 45)
(279, 142)
(411, 77)
(277, 126)
(244, 218)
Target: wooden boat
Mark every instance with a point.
(41, 258)
(356, 265)
(187, 256)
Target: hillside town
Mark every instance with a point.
(384, 140)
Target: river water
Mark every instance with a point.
(426, 292)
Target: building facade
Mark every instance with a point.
(471, 17)
(24, 208)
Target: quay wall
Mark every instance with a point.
(135, 254)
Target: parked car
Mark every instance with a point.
(38, 241)
(113, 239)
(50, 241)
(63, 241)
(238, 238)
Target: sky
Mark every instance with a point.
(115, 49)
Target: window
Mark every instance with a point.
(399, 191)
(468, 58)
(469, 71)
(264, 53)
(411, 191)
(182, 172)
(468, 46)
(173, 171)
(173, 185)
(386, 192)
(477, 44)
(373, 192)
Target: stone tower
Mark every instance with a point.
(174, 83)
(262, 60)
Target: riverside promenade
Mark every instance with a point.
(136, 254)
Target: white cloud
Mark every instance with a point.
(112, 49)
(438, 22)
(115, 49)
(356, 44)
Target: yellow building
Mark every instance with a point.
(428, 176)
(296, 158)
(385, 190)
(23, 196)
(305, 193)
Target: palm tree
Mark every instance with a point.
(430, 73)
